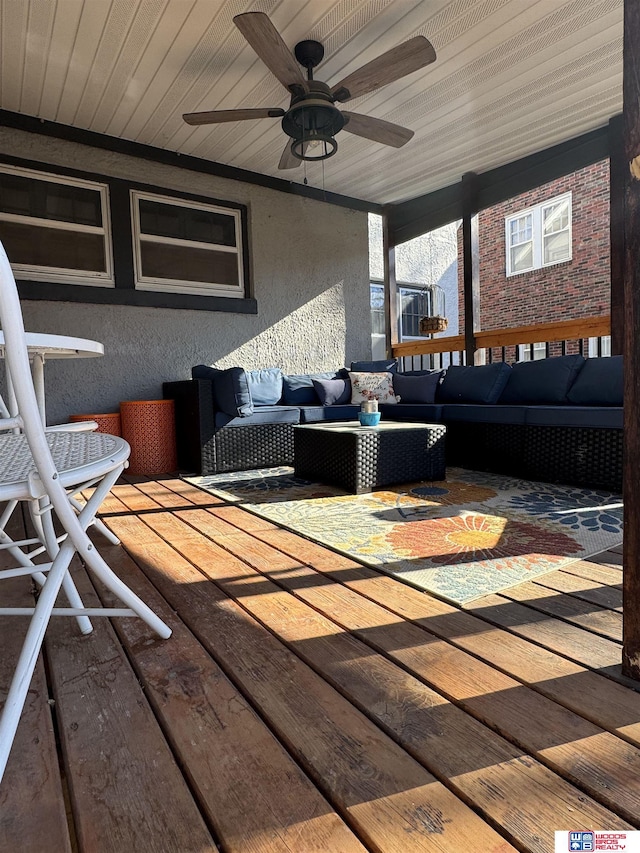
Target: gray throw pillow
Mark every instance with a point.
(333, 392)
(298, 389)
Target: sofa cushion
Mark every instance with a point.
(315, 414)
(231, 393)
(372, 386)
(261, 415)
(428, 413)
(483, 413)
(543, 382)
(596, 417)
(265, 386)
(385, 365)
(332, 392)
(298, 388)
(599, 383)
(417, 389)
(482, 383)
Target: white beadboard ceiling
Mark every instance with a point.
(511, 77)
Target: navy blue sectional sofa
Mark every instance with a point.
(555, 419)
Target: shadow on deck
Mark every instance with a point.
(308, 703)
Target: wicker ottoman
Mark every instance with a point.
(360, 459)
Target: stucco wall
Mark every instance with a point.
(310, 273)
(428, 259)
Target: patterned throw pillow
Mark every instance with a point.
(372, 386)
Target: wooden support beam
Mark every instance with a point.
(470, 265)
(631, 555)
(617, 170)
(390, 287)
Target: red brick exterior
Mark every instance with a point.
(565, 291)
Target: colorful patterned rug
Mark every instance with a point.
(461, 538)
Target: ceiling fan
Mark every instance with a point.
(312, 119)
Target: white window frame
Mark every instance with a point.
(537, 236)
(605, 346)
(407, 288)
(60, 274)
(379, 286)
(176, 285)
(539, 351)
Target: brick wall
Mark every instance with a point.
(565, 291)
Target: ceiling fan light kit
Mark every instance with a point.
(312, 120)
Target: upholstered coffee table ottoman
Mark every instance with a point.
(360, 459)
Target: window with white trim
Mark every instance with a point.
(55, 228)
(532, 352)
(410, 312)
(539, 236)
(600, 346)
(184, 246)
(410, 299)
(377, 309)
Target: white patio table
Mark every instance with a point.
(42, 347)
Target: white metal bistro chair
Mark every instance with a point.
(42, 468)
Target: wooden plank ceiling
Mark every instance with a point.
(511, 78)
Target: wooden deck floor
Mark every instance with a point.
(306, 703)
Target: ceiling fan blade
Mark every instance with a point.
(267, 42)
(377, 129)
(288, 160)
(390, 66)
(219, 116)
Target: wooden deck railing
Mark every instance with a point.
(505, 344)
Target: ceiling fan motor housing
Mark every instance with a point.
(312, 117)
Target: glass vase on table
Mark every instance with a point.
(369, 414)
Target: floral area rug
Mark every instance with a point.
(460, 538)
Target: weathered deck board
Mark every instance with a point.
(235, 760)
(126, 789)
(191, 493)
(609, 705)
(611, 575)
(550, 632)
(32, 808)
(608, 558)
(131, 498)
(545, 729)
(158, 492)
(481, 767)
(583, 588)
(387, 797)
(306, 703)
(584, 614)
(598, 762)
